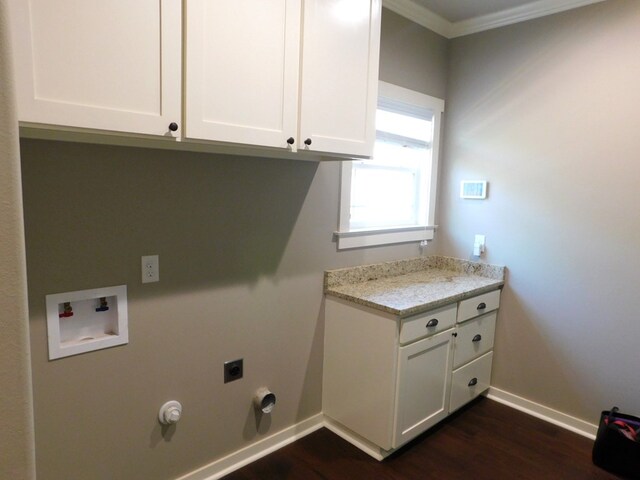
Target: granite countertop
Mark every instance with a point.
(415, 285)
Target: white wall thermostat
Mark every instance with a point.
(473, 189)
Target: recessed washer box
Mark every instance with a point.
(86, 320)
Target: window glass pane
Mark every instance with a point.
(387, 190)
(399, 154)
(383, 197)
(404, 125)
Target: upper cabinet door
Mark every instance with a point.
(242, 63)
(341, 49)
(107, 65)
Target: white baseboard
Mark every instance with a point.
(255, 451)
(544, 413)
(262, 448)
(355, 439)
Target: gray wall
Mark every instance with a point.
(547, 112)
(412, 56)
(16, 426)
(243, 243)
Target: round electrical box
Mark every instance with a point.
(170, 412)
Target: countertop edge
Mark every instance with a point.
(407, 312)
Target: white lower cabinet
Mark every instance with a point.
(423, 386)
(478, 305)
(388, 379)
(469, 381)
(473, 354)
(474, 338)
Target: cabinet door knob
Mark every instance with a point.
(173, 126)
(454, 334)
(291, 140)
(473, 381)
(482, 306)
(307, 142)
(477, 338)
(432, 323)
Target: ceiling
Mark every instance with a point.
(455, 18)
(457, 10)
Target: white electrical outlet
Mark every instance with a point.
(150, 269)
(479, 245)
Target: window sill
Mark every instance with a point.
(371, 238)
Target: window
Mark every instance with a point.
(391, 198)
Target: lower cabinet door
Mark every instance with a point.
(422, 395)
(470, 381)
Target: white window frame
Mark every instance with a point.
(367, 237)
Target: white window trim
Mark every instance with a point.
(367, 238)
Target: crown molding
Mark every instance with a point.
(441, 26)
(420, 15)
(538, 9)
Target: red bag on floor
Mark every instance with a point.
(617, 445)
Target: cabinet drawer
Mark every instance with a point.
(472, 307)
(470, 381)
(474, 338)
(428, 323)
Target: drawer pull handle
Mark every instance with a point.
(482, 306)
(477, 338)
(432, 323)
(473, 382)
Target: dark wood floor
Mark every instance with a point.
(485, 440)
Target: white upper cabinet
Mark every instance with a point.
(300, 75)
(295, 75)
(242, 63)
(107, 65)
(340, 57)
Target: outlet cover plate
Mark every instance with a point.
(233, 370)
(150, 268)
